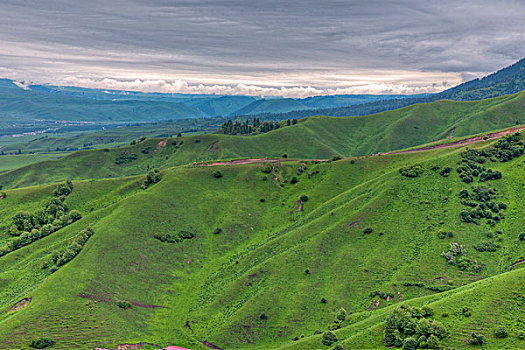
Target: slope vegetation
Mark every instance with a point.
(254, 255)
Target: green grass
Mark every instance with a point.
(221, 283)
(10, 162)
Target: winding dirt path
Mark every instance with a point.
(256, 160)
(459, 143)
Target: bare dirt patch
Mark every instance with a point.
(19, 305)
(214, 147)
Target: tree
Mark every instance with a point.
(217, 174)
(501, 332)
(341, 315)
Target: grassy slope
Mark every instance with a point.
(316, 137)
(222, 283)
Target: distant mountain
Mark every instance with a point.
(506, 81)
(68, 103)
(220, 106)
(43, 102)
(271, 106)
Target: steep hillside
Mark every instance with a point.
(252, 258)
(312, 138)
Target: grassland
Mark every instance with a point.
(213, 289)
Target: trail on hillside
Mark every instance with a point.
(459, 143)
(255, 160)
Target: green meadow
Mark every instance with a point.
(274, 251)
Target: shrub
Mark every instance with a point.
(476, 339)
(217, 174)
(294, 180)
(262, 200)
(304, 198)
(217, 231)
(267, 168)
(338, 347)
(466, 311)
(285, 155)
(501, 332)
(263, 316)
(411, 171)
(42, 343)
(3, 195)
(323, 300)
(329, 338)
(368, 230)
(341, 315)
(445, 171)
(318, 331)
(521, 335)
(124, 305)
(521, 237)
(335, 158)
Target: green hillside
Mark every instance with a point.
(311, 138)
(252, 258)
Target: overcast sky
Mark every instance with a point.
(290, 48)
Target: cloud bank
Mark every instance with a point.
(271, 48)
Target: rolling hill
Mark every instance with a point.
(252, 258)
(311, 138)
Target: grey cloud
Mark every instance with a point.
(326, 44)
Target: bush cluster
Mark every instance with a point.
(42, 343)
(445, 171)
(412, 170)
(30, 227)
(60, 258)
(329, 338)
(174, 237)
(153, 177)
(481, 205)
(382, 295)
(486, 246)
(123, 158)
(408, 326)
(476, 339)
(456, 256)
